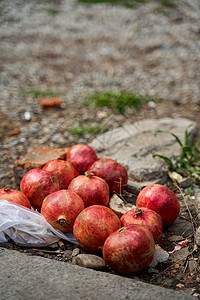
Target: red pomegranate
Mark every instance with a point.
(14, 196)
(129, 249)
(63, 169)
(61, 208)
(147, 217)
(112, 172)
(81, 157)
(92, 189)
(160, 199)
(36, 184)
(93, 225)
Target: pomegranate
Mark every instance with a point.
(36, 184)
(129, 249)
(160, 199)
(81, 157)
(63, 169)
(61, 208)
(92, 189)
(112, 172)
(93, 225)
(147, 217)
(14, 196)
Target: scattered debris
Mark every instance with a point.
(61, 245)
(183, 182)
(179, 246)
(181, 227)
(14, 132)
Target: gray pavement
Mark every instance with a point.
(34, 277)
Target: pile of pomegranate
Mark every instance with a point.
(73, 196)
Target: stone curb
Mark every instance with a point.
(23, 276)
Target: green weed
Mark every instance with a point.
(118, 102)
(187, 163)
(169, 3)
(79, 131)
(126, 3)
(129, 3)
(39, 93)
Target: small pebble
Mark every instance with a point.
(53, 246)
(151, 104)
(75, 252)
(90, 261)
(40, 253)
(153, 270)
(67, 254)
(27, 116)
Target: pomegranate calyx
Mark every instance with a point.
(7, 188)
(138, 212)
(89, 174)
(62, 221)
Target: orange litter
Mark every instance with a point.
(52, 102)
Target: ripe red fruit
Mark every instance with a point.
(92, 189)
(93, 225)
(147, 217)
(160, 199)
(129, 249)
(63, 169)
(61, 208)
(112, 172)
(36, 184)
(14, 196)
(81, 157)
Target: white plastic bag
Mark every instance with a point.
(27, 227)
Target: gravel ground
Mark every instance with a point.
(72, 50)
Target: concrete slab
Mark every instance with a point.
(34, 277)
(133, 146)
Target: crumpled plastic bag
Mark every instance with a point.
(27, 227)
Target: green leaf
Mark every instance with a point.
(187, 136)
(188, 162)
(173, 134)
(166, 159)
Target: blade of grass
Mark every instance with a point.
(166, 159)
(173, 134)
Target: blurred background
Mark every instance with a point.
(71, 70)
